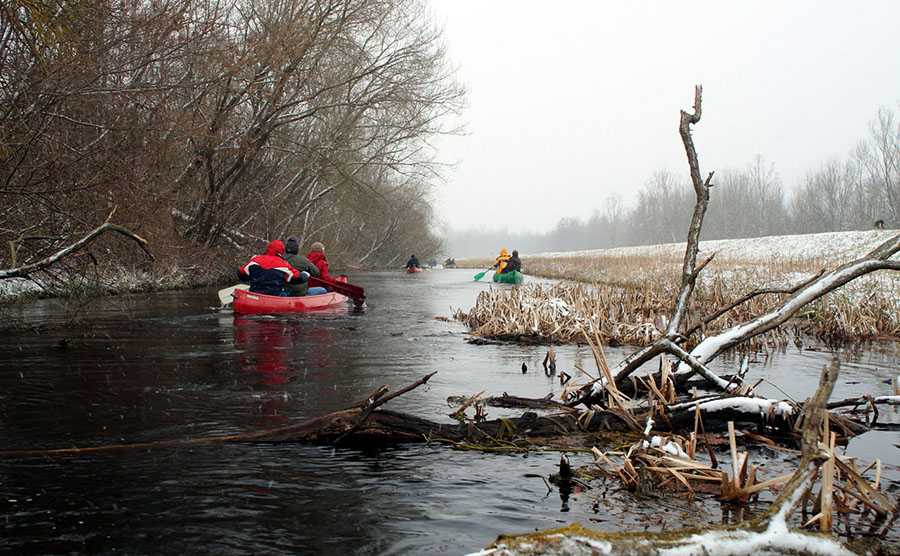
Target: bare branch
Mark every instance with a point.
(877, 259)
(24, 271)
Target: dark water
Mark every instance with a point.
(167, 366)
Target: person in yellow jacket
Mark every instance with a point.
(500, 261)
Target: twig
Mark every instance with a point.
(381, 400)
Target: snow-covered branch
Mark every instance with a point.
(26, 270)
(878, 259)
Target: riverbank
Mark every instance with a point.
(190, 268)
(113, 279)
(633, 289)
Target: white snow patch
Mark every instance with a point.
(15, 287)
(669, 447)
(749, 405)
(774, 540)
(560, 306)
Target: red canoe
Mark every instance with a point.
(248, 303)
(413, 269)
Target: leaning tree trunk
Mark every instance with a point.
(878, 259)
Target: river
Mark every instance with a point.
(141, 368)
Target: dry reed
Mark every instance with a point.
(628, 299)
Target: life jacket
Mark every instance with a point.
(269, 274)
(500, 261)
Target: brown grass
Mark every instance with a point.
(628, 299)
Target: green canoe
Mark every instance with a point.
(514, 277)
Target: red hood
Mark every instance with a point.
(276, 248)
(315, 256)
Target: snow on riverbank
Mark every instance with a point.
(17, 287)
(113, 280)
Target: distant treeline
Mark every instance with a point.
(214, 126)
(850, 194)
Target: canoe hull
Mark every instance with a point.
(249, 303)
(514, 277)
(413, 270)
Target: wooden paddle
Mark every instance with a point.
(225, 294)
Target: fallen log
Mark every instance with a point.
(516, 402)
(768, 533)
(362, 427)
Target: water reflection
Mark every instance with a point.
(263, 345)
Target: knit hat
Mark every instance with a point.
(317, 246)
(292, 245)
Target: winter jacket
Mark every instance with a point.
(514, 263)
(500, 261)
(302, 264)
(318, 258)
(413, 263)
(270, 274)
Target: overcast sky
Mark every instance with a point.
(570, 102)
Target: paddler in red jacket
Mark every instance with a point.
(270, 274)
(317, 257)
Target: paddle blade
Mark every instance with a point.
(355, 293)
(480, 275)
(225, 294)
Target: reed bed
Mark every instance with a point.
(628, 299)
(662, 463)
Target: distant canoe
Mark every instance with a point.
(413, 269)
(514, 277)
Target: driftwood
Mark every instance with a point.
(667, 344)
(367, 424)
(515, 402)
(766, 534)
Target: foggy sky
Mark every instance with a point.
(570, 102)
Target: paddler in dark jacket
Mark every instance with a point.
(514, 263)
(301, 263)
(413, 262)
(270, 274)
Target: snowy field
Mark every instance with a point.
(833, 246)
(867, 307)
